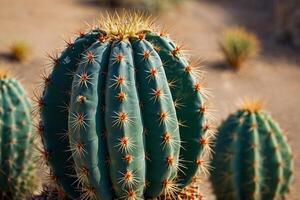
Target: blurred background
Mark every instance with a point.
(248, 47)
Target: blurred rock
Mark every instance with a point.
(287, 18)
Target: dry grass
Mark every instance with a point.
(238, 45)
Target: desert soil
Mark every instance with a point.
(274, 76)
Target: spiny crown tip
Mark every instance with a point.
(251, 105)
(126, 24)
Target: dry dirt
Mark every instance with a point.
(274, 76)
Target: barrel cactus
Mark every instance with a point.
(16, 164)
(252, 157)
(123, 115)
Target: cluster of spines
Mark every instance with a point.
(203, 138)
(16, 142)
(255, 158)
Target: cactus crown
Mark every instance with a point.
(126, 24)
(251, 105)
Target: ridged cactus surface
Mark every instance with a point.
(123, 116)
(252, 157)
(16, 165)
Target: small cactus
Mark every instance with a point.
(252, 157)
(238, 45)
(16, 165)
(19, 51)
(123, 115)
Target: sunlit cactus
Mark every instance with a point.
(252, 157)
(16, 141)
(123, 114)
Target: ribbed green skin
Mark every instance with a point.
(192, 109)
(252, 158)
(125, 137)
(16, 142)
(54, 113)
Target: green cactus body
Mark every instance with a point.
(15, 140)
(252, 158)
(159, 116)
(54, 107)
(89, 106)
(188, 96)
(123, 122)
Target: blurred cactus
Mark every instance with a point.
(252, 157)
(237, 45)
(16, 141)
(19, 51)
(123, 110)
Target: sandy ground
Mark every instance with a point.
(274, 76)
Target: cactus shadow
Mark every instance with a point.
(220, 66)
(7, 57)
(96, 3)
(91, 3)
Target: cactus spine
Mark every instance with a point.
(16, 166)
(253, 159)
(134, 123)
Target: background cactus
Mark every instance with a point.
(253, 159)
(16, 165)
(122, 109)
(19, 51)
